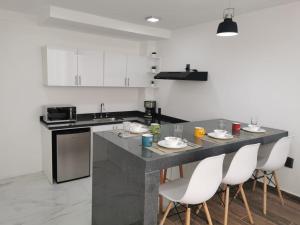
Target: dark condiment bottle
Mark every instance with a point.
(159, 115)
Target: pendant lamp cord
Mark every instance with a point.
(228, 12)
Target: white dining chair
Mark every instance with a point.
(163, 179)
(197, 189)
(268, 164)
(237, 170)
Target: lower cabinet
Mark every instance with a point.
(47, 146)
(101, 128)
(107, 127)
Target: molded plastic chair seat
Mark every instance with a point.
(175, 189)
(241, 165)
(270, 162)
(237, 169)
(277, 157)
(199, 188)
(163, 179)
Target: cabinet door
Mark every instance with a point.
(61, 67)
(90, 68)
(138, 69)
(114, 69)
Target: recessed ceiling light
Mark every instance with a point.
(152, 19)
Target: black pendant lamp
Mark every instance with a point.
(228, 27)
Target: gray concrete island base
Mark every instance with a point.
(124, 193)
(126, 176)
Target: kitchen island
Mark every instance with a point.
(126, 176)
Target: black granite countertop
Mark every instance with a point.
(87, 120)
(209, 148)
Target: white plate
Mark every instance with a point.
(165, 145)
(225, 137)
(139, 131)
(254, 131)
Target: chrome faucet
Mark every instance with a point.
(101, 110)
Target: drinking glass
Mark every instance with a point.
(254, 120)
(126, 127)
(221, 125)
(178, 130)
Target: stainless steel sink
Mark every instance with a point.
(107, 120)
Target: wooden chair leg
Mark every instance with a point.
(181, 171)
(207, 214)
(161, 201)
(237, 192)
(226, 206)
(246, 204)
(255, 181)
(199, 208)
(265, 195)
(188, 216)
(278, 187)
(165, 175)
(166, 214)
(223, 194)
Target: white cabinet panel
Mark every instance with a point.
(138, 68)
(90, 68)
(114, 69)
(61, 67)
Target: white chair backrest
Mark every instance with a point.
(242, 165)
(278, 155)
(204, 181)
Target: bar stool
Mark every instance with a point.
(237, 170)
(202, 185)
(163, 179)
(270, 163)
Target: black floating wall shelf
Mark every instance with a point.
(189, 75)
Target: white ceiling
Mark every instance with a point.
(174, 13)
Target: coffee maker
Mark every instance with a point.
(150, 108)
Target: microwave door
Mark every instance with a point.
(58, 114)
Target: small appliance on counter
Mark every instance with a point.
(150, 108)
(59, 114)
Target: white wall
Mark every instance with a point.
(256, 73)
(22, 92)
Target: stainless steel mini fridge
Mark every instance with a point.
(71, 154)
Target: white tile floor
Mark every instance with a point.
(31, 200)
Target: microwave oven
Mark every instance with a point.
(59, 113)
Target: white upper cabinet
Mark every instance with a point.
(138, 68)
(114, 69)
(90, 68)
(61, 67)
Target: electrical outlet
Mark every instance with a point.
(289, 162)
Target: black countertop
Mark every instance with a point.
(87, 120)
(155, 161)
